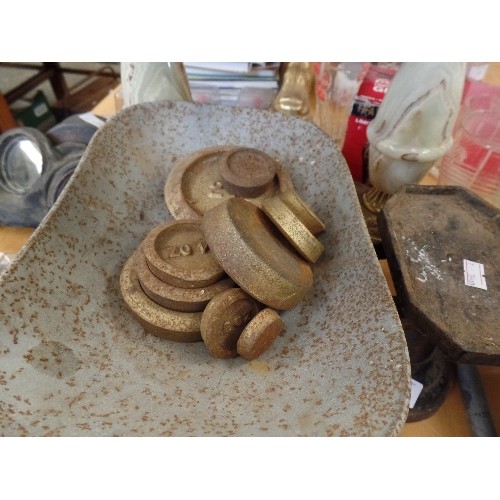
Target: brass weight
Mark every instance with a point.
(157, 320)
(300, 208)
(194, 185)
(178, 254)
(247, 172)
(259, 334)
(253, 253)
(225, 316)
(292, 229)
(173, 297)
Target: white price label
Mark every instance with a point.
(416, 389)
(474, 274)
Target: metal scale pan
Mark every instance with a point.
(74, 361)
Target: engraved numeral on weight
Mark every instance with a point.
(215, 190)
(202, 247)
(185, 250)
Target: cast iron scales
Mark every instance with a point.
(428, 232)
(431, 235)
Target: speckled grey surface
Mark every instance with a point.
(74, 362)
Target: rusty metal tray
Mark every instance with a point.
(75, 363)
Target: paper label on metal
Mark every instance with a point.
(92, 119)
(416, 389)
(474, 274)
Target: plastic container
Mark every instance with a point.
(474, 160)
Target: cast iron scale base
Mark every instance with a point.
(434, 239)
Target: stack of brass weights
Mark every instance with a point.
(239, 251)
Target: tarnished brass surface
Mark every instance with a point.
(173, 297)
(194, 185)
(157, 320)
(370, 218)
(292, 229)
(259, 334)
(374, 199)
(299, 207)
(255, 256)
(223, 320)
(178, 254)
(247, 172)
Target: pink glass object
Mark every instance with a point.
(474, 159)
(483, 101)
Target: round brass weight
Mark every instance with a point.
(194, 185)
(292, 229)
(255, 256)
(223, 320)
(247, 172)
(178, 254)
(259, 334)
(173, 297)
(157, 320)
(303, 212)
